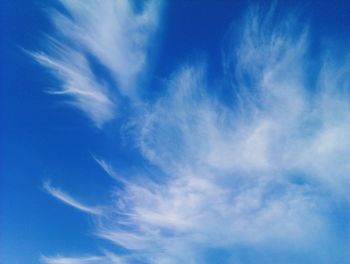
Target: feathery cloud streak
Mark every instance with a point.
(244, 174)
(106, 259)
(68, 199)
(110, 34)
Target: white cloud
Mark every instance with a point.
(108, 258)
(78, 260)
(78, 82)
(109, 170)
(229, 172)
(113, 34)
(68, 199)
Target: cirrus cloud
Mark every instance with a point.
(264, 170)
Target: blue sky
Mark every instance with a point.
(174, 132)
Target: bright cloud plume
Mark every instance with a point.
(68, 199)
(106, 34)
(246, 173)
(105, 259)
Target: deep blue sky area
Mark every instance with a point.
(42, 137)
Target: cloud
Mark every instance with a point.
(110, 35)
(109, 170)
(68, 199)
(81, 260)
(108, 258)
(87, 93)
(231, 172)
(264, 170)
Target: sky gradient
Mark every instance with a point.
(174, 132)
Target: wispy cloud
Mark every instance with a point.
(232, 170)
(77, 260)
(110, 34)
(109, 170)
(105, 259)
(68, 199)
(87, 93)
(249, 173)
